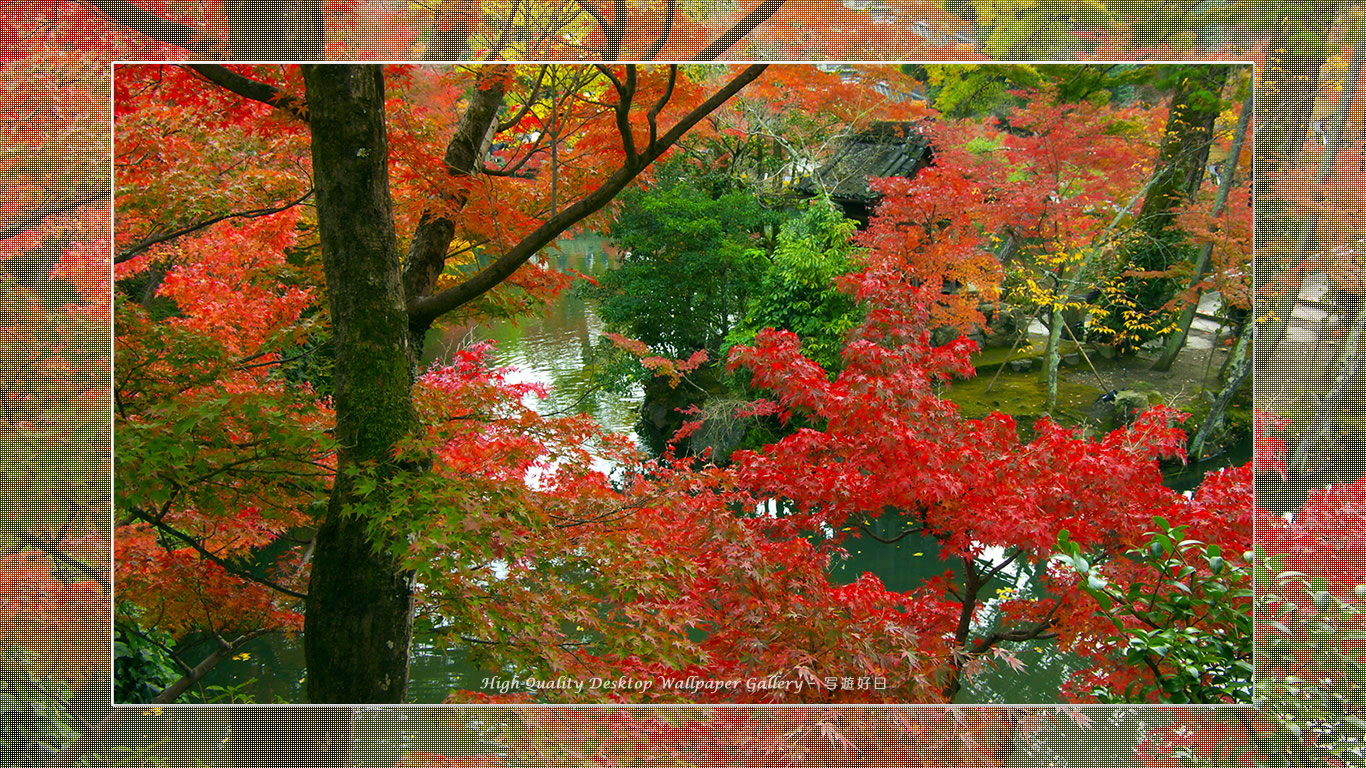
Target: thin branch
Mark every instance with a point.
(65, 702)
(35, 217)
(425, 309)
(653, 114)
(1038, 631)
(169, 651)
(224, 649)
(594, 12)
(50, 549)
(526, 105)
(157, 523)
(255, 213)
(72, 753)
(670, 11)
(1001, 565)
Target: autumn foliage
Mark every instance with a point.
(665, 579)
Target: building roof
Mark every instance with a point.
(885, 149)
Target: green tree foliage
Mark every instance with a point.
(143, 665)
(799, 292)
(692, 254)
(965, 90)
(1185, 625)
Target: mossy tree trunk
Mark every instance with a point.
(358, 616)
(1137, 303)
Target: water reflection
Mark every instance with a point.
(553, 349)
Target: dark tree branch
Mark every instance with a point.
(527, 105)
(1036, 631)
(511, 171)
(763, 12)
(255, 90)
(72, 753)
(653, 114)
(50, 549)
(617, 32)
(991, 574)
(151, 25)
(224, 649)
(255, 213)
(450, 41)
(594, 12)
(425, 309)
(671, 10)
(33, 218)
(67, 704)
(627, 90)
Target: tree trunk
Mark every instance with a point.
(1052, 358)
(1177, 340)
(1156, 247)
(275, 30)
(1240, 372)
(1283, 309)
(1185, 145)
(358, 616)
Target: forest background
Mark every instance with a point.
(56, 575)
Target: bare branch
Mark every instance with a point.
(156, 522)
(671, 10)
(627, 92)
(424, 309)
(33, 218)
(653, 114)
(50, 549)
(527, 105)
(224, 649)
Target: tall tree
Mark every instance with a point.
(358, 617)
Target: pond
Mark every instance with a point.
(553, 350)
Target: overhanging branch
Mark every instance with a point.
(423, 310)
(156, 522)
(33, 218)
(255, 213)
(255, 90)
